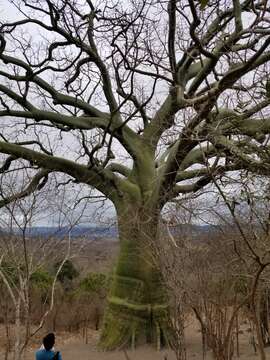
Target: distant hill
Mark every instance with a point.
(193, 229)
(111, 232)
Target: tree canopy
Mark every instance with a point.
(167, 84)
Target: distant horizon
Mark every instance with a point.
(95, 231)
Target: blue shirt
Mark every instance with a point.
(46, 355)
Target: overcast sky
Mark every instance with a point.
(8, 12)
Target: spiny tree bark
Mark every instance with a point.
(145, 101)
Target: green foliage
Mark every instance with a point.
(241, 286)
(41, 279)
(10, 271)
(94, 283)
(203, 4)
(68, 271)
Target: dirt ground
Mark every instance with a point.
(74, 348)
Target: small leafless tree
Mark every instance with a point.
(249, 215)
(220, 275)
(23, 254)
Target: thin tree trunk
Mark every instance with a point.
(256, 314)
(237, 336)
(17, 344)
(258, 332)
(7, 330)
(27, 322)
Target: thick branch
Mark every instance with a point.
(241, 155)
(171, 37)
(191, 188)
(206, 174)
(103, 180)
(7, 164)
(163, 118)
(71, 122)
(57, 97)
(119, 168)
(36, 183)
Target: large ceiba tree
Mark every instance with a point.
(145, 101)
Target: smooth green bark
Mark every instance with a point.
(137, 308)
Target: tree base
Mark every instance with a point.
(129, 321)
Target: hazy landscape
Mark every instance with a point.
(135, 179)
(99, 255)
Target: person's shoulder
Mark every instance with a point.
(39, 354)
(43, 354)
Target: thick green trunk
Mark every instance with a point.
(137, 309)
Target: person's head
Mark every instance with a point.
(48, 341)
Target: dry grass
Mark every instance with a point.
(73, 347)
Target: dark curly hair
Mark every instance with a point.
(48, 341)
